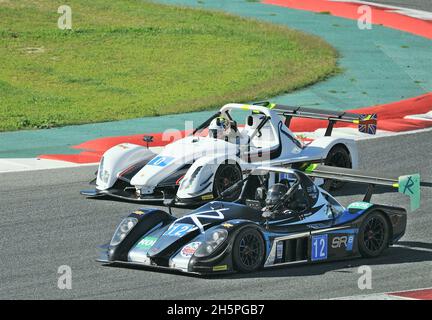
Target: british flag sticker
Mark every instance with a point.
(368, 123)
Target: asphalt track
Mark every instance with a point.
(45, 223)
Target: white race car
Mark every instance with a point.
(219, 153)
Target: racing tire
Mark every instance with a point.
(248, 250)
(226, 175)
(337, 157)
(373, 235)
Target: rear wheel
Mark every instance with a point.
(226, 175)
(337, 157)
(248, 250)
(373, 235)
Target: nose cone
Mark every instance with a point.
(177, 235)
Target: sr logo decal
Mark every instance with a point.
(343, 241)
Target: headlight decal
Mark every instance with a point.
(213, 240)
(104, 175)
(101, 166)
(122, 230)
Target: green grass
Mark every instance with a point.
(128, 59)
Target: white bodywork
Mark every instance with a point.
(207, 154)
(116, 160)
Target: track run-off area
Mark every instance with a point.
(45, 223)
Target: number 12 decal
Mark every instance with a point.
(319, 247)
(179, 229)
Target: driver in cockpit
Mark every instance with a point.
(220, 128)
(284, 200)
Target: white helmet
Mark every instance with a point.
(218, 128)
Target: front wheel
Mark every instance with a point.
(226, 175)
(373, 235)
(248, 250)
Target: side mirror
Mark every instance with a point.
(147, 140)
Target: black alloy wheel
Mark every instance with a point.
(248, 250)
(337, 157)
(373, 235)
(226, 175)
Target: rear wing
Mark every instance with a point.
(367, 123)
(407, 184)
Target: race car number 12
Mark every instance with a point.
(179, 229)
(319, 247)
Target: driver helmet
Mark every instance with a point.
(218, 128)
(275, 193)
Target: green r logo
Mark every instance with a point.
(410, 185)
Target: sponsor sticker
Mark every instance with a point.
(190, 249)
(220, 268)
(350, 243)
(279, 250)
(207, 197)
(344, 241)
(360, 205)
(146, 242)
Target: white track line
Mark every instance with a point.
(414, 13)
(423, 117)
(412, 248)
(34, 164)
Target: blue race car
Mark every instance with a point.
(282, 217)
